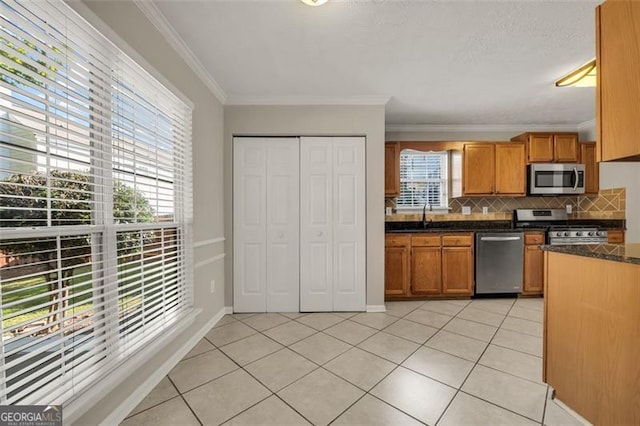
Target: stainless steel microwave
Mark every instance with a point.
(556, 179)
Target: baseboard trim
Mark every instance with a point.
(376, 308)
(132, 401)
(228, 310)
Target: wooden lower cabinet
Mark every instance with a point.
(533, 271)
(457, 270)
(426, 270)
(396, 265)
(440, 265)
(615, 236)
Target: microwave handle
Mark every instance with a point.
(575, 173)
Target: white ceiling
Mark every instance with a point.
(439, 62)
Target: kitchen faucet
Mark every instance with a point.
(424, 214)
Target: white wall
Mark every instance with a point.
(134, 28)
(317, 121)
(621, 175)
(625, 175)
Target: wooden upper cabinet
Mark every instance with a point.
(540, 148)
(550, 147)
(592, 169)
(618, 88)
(478, 175)
(510, 169)
(391, 169)
(494, 169)
(565, 148)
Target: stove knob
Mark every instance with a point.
(601, 233)
(578, 234)
(566, 234)
(591, 234)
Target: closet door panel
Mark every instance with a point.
(283, 240)
(249, 225)
(316, 211)
(349, 228)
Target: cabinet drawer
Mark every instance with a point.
(457, 240)
(425, 241)
(397, 240)
(531, 239)
(615, 236)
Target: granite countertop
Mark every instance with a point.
(454, 226)
(627, 253)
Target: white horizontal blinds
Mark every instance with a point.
(95, 204)
(423, 179)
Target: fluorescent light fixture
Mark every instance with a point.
(314, 2)
(585, 76)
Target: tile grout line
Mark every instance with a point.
(477, 363)
(185, 401)
(458, 390)
(351, 346)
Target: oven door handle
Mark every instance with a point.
(575, 173)
(500, 238)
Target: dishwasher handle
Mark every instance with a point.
(500, 238)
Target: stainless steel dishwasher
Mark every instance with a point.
(499, 258)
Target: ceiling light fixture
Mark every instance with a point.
(585, 76)
(314, 2)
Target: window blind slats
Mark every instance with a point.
(423, 179)
(95, 204)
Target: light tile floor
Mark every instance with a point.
(437, 362)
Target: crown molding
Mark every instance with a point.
(469, 128)
(308, 100)
(586, 125)
(161, 23)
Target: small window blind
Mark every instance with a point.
(423, 179)
(95, 204)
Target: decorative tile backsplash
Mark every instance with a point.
(509, 204)
(608, 204)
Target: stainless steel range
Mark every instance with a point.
(556, 224)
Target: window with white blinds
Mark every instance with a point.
(95, 205)
(423, 180)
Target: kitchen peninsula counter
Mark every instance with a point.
(592, 330)
(626, 253)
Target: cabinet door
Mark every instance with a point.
(533, 270)
(565, 148)
(478, 169)
(510, 169)
(618, 88)
(249, 225)
(457, 270)
(615, 236)
(540, 148)
(391, 169)
(396, 270)
(426, 270)
(592, 168)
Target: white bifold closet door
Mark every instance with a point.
(266, 240)
(332, 224)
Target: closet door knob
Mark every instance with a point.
(280, 235)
